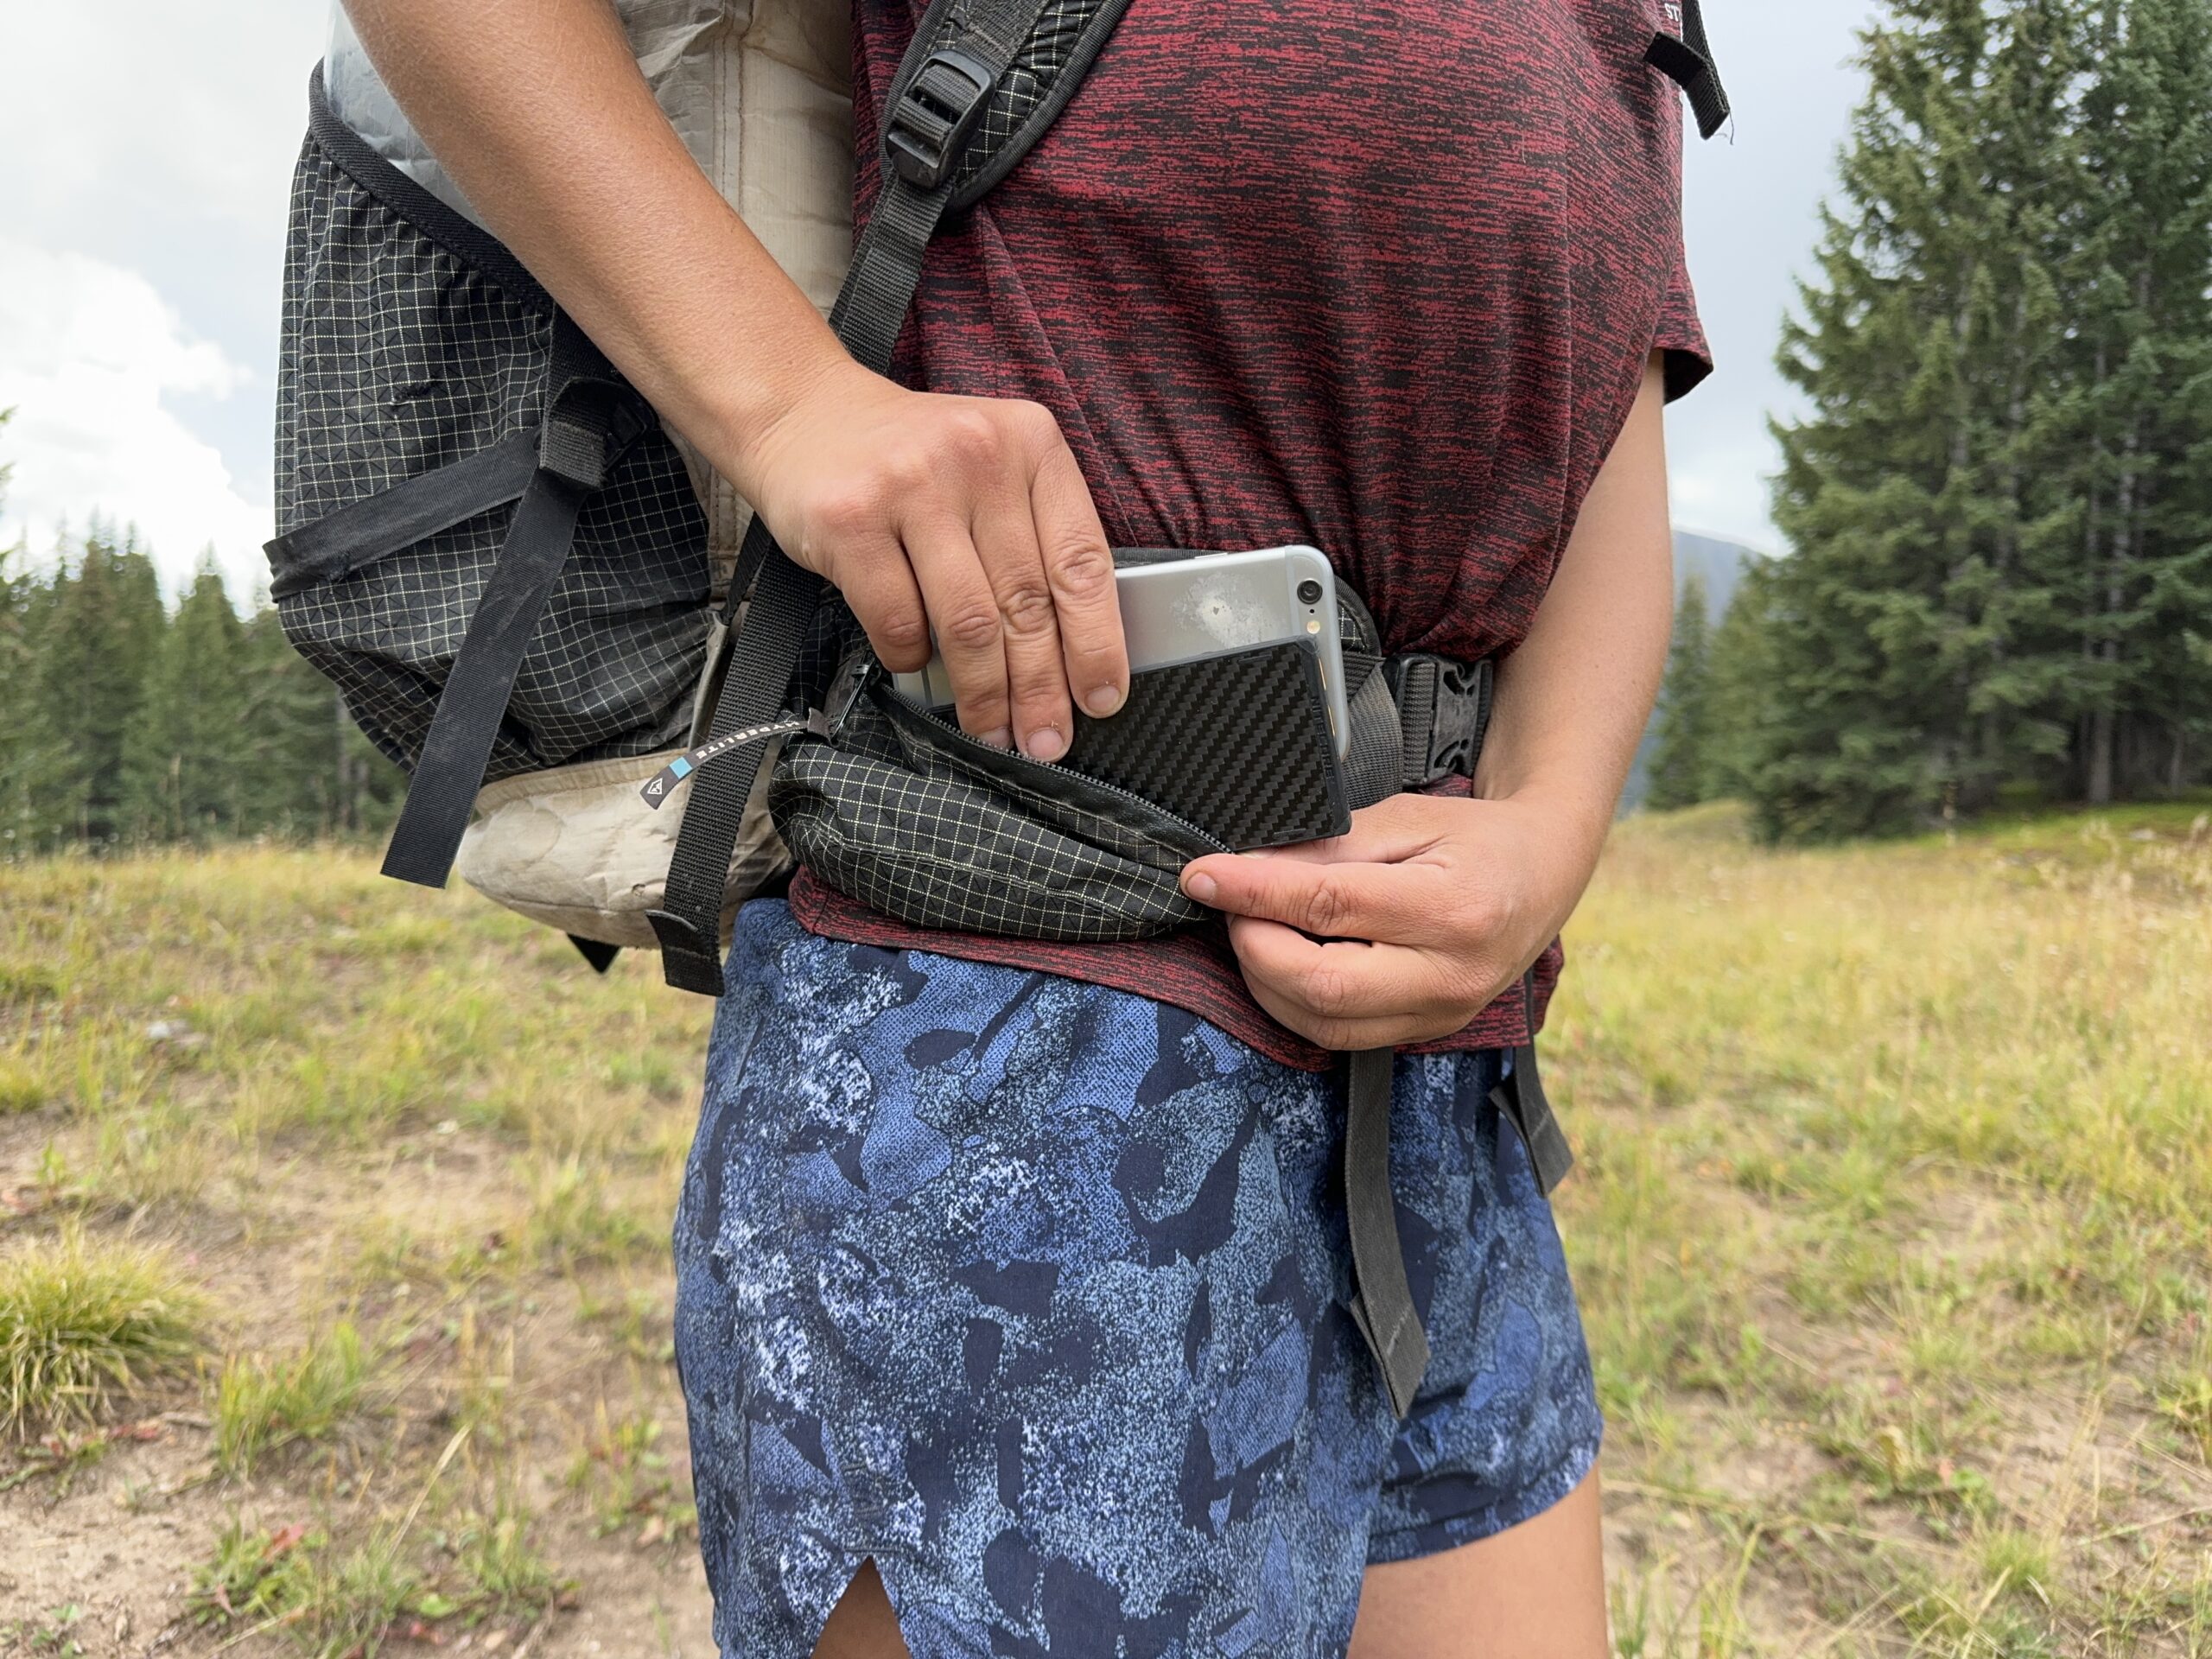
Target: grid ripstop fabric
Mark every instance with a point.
(932, 829)
(399, 357)
(1027, 82)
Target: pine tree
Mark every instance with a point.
(1929, 346)
(1740, 707)
(307, 770)
(95, 632)
(2002, 503)
(18, 591)
(2136, 568)
(1682, 763)
(183, 755)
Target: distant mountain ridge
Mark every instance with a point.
(1720, 561)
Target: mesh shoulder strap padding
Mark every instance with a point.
(1025, 97)
(982, 80)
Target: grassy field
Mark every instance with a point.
(334, 1303)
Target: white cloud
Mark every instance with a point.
(156, 140)
(152, 101)
(90, 353)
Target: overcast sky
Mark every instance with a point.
(146, 147)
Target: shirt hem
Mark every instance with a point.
(1192, 970)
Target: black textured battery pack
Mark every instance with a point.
(1238, 744)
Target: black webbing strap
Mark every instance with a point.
(1521, 1100)
(1424, 717)
(1382, 1301)
(343, 542)
(1687, 61)
(925, 133)
(586, 404)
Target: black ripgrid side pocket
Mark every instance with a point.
(411, 342)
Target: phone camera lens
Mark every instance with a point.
(1309, 592)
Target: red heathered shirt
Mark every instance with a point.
(1378, 276)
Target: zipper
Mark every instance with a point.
(825, 721)
(977, 746)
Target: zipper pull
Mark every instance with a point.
(827, 722)
(658, 788)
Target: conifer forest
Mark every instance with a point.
(1996, 580)
(1995, 585)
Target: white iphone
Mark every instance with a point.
(1181, 608)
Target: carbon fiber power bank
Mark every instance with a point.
(1237, 744)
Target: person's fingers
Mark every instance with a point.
(963, 614)
(872, 573)
(1403, 903)
(1341, 995)
(1037, 686)
(1396, 830)
(1079, 566)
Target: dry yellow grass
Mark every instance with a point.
(1893, 1234)
(1893, 1228)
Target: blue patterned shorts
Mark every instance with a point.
(1034, 1291)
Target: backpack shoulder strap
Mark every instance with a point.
(979, 84)
(1061, 40)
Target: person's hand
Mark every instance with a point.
(1403, 930)
(964, 515)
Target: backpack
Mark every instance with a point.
(437, 420)
(487, 540)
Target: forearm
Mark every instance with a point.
(1573, 699)
(537, 110)
(1402, 929)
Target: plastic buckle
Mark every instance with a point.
(930, 124)
(1447, 706)
(591, 426)
(1463, 703)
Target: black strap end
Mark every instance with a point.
(423, 858)
(1382, 1304)
(689, 962)
(1694, 72)
(597, 952)
(1521, 1101)
(1402, 1363)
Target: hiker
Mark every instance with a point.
(1012, 1310)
